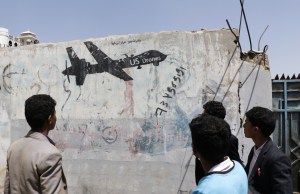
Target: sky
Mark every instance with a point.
(66, 20)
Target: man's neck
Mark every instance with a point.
(45, 132)
(207, 165)
(259, 141)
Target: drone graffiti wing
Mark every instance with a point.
(105, 63)
(118, 72)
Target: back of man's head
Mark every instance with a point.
(37, 110)
(210, 137)
(215, 108)
(263, 118)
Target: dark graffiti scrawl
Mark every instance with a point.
(171, 91)
(80, 68)
(7, 74)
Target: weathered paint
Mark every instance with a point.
(122, 135)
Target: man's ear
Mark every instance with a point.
(49, 119)
(256, 129)
(196, 153)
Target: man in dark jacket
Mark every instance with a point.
(268, 168)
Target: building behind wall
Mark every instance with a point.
(25, 38)
(4, 37)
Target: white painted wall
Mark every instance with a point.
(110, 137)
(4, 37)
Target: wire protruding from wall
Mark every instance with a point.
(241, 18)
(237, 38)
(243, 11)
(262, 36)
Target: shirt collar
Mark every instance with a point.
(38, 135)
(50, 140)
(258, 150)
(226, 165)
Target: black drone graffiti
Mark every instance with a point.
(80, 68)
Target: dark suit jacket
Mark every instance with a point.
(271, 173)
(233, 154)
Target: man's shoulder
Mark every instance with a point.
(239, 169)
(273, 153)
(238, 165)
(33, 144)
(233, 137)
(18, 143)
(237, 177)
(273, 149)
(234, 141)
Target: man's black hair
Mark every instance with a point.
(215, 108)
(37, 110)
(263, 118)
(210, 137)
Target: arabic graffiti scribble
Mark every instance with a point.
(171, 90)
(80, 68)
(126, 42)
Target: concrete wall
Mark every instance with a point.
(124, 129)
